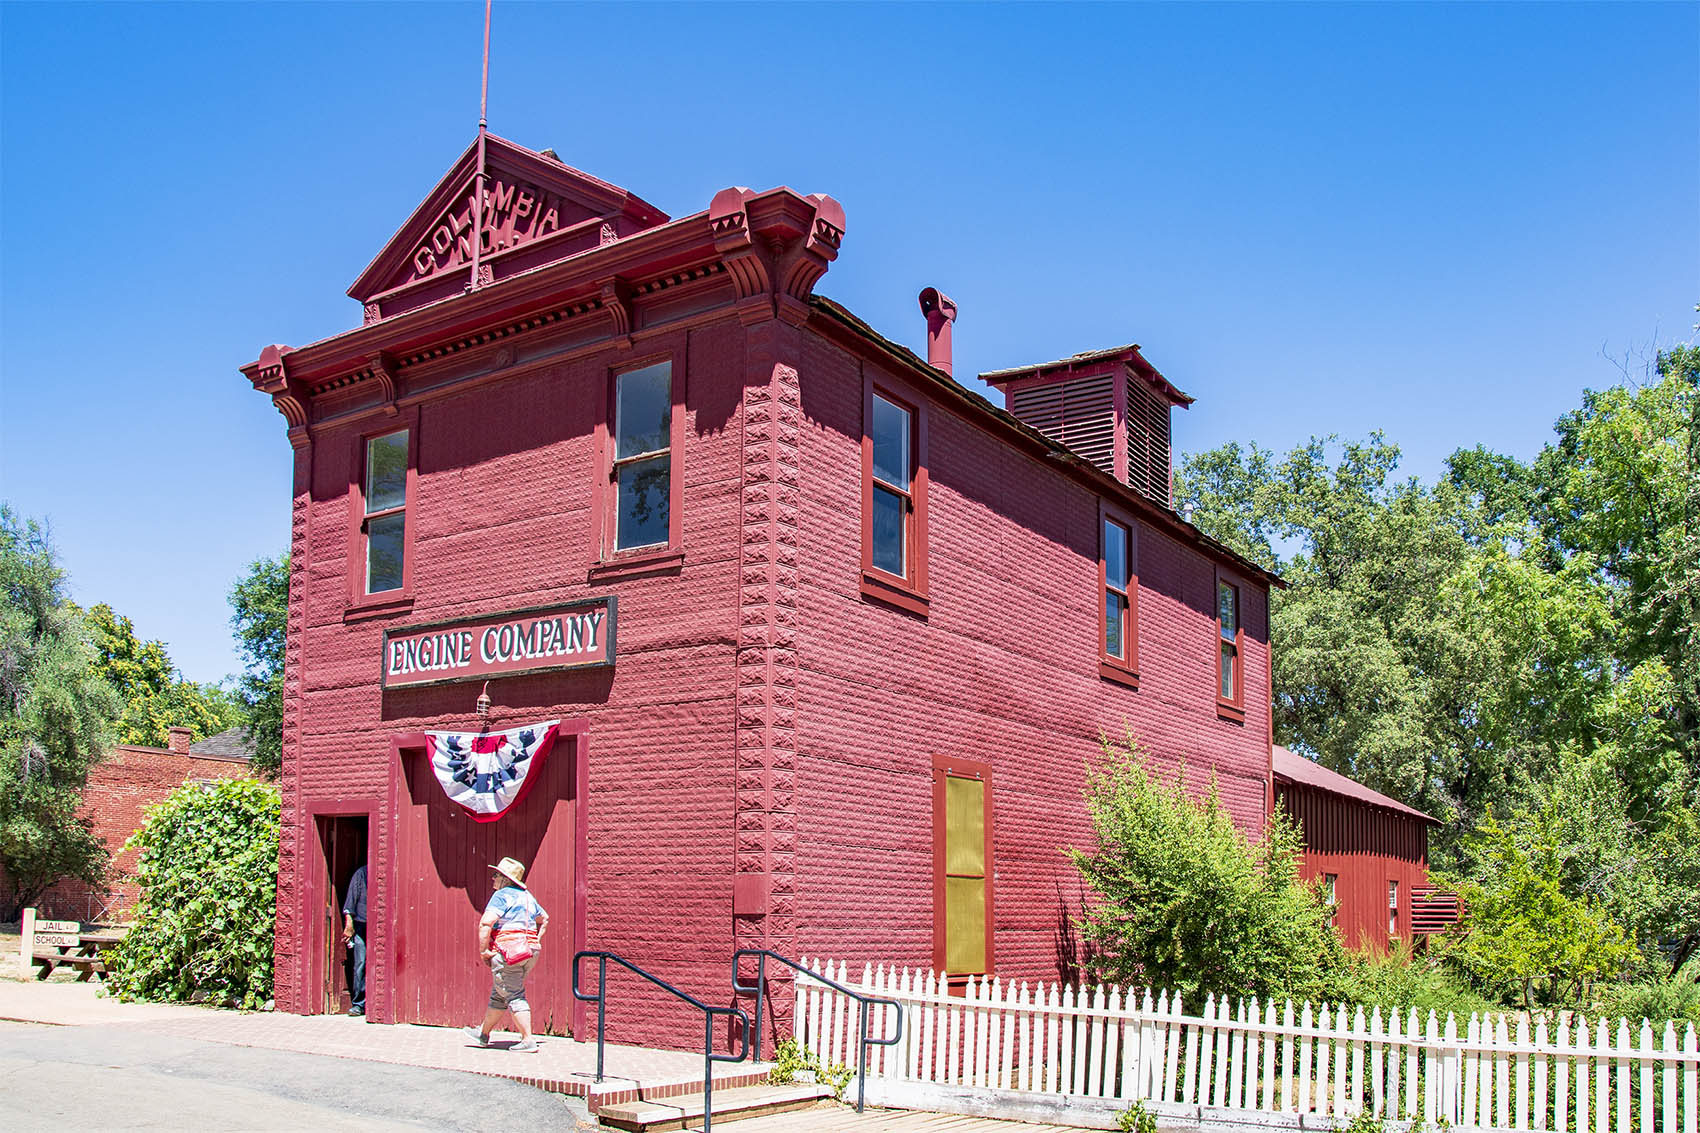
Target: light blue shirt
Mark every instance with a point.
(515, 908)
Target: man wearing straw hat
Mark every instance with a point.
(510, 936)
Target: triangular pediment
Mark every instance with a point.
(534, 205)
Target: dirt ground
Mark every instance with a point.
(11, 944)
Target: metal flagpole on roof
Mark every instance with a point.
(478, 181)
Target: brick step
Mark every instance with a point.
(730, 1104)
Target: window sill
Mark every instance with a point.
(378, 605)
(1228, 710)
(888, 589)
(1119, 674)
(642, 561)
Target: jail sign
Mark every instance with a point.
(578, 635)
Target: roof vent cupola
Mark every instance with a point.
(1110, 407)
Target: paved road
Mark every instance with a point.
(58, 1078)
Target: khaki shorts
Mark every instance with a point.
(507, 984)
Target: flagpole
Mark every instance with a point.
(478, 179)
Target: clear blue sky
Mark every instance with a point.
(1425, 219)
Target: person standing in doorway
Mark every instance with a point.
(354, 938)
(510, 937)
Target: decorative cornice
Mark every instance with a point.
(384, 369)
(776, 246)
(729, 221)
(617, 304)
(270, 375)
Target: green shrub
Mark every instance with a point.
(1400, 980)
(208, 875)
(1365, 1121)
(1656, 999)
(1182, 899)
(1136, 1119)
(790, 1059)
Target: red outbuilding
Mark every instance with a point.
(790, 640)
(1370, 851)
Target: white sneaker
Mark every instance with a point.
(476, 1035)
(525, 1046)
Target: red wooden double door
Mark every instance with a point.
(441, 880)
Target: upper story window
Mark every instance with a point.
(385, 519)
(1331, 896)
(894, 499)
(1231, 667)
(643, 457)
(894, 478)
(1118, 581)
(1392, 908)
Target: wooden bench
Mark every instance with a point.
(49, 945)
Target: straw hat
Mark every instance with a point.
(512, 870)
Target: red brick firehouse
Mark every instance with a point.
(801, 643)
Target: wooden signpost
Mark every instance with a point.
(65, 936)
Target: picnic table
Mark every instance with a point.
(50, 945)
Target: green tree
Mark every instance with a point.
(1182, 899)
(1468, 645)
(260, 605)
(1625, 471)
(1525, 927)
(208, 876)
(56, 715)
(155, 695)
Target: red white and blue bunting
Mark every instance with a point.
(488, 772)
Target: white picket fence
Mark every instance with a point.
(1010, 1049)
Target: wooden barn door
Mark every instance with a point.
(442, 861)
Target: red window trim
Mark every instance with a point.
(654, 557)
(944, 767)
(1230, 707)
(907, 593)
(361, 604)
(1121, 670)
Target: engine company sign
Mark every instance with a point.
(579, 635)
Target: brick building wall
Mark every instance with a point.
(1002, 669)
(120, 790)
(503, 507)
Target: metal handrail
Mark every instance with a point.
(709, 1058)
(863, 1001)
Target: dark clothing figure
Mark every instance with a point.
(354, 936)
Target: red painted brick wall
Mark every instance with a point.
(502, 520)
(119, 793)
(1003, 669)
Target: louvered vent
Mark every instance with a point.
(1432, 909)
(1147, 440)
(1079, 414)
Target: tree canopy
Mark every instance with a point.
(260, 610)
(155, 695)
(1473, 645)
(56, 719)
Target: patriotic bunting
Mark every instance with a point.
(488, 772)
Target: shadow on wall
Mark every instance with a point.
(1073, 958)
